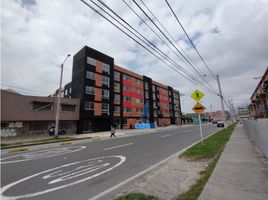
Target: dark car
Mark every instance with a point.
(214, 122)
(220, 124)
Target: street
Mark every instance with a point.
(88, 169)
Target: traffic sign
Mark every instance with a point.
(198, 108)
(197, 95)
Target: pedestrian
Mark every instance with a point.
(51, 130)
(112, 132)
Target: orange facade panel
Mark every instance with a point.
(98, 66)
(98, 94)
(98, 80)
(97, 109)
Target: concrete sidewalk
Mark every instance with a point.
(241, 172)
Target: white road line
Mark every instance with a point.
(163, 136)
(118, 146)
(144, 171)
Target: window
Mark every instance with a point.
(146, 85)
(89, 105)
(105, 94)
(91, 61)
(105, 80)
(138, 81)
(154, 96)
(139, 110)
(90, 90)
(90, 75)
(116, 75)
(153, 88)
(126, 77)
(38, 126)
(116, 97)
(125, 98)
(146, 94)
(116, 109)
(105, 108)
(138, 90)
(126, 109)
(36, 106)
(116, 86)
(70, 90)
(106, 68)
(126, 88)
(67, 107)
(65, 126)
(138, 100)
(66, 92)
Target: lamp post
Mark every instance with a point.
(58, 102)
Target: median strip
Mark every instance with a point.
(123, 145)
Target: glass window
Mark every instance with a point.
(116, 97)
(106, 68)
(67, 107)
(126, 88)
(65, 125)
(146, 94)
(153, 88)
(126, 77)
(139, 100)
(105, 80)
(126, 109)
(90, 75)
(105, 107)
(146, 85)
(38, 126)
(126, 98)
(90, 90)
(89, 105)
(116, 85)
(105, 94)
(138, 90)
(91, 61)
(116, 109)
(116, 75)
(36, 106)
(138, 81)
(139, 110)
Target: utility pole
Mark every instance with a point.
(59, 96)
(211, 112)
(221, 97)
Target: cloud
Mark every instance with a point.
(231, 36)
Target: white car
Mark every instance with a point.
(220, 124)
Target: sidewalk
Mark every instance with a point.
(241, 172)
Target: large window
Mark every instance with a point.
(116, 98)
(105, 94)
(90, 90)
(91, 61)
(105, 80)
(37, 106)
(146, 94)
(106, 68)
(146, 85)
(89, 105)
(139, 100)
(126, 98)
(38, 126)
(67, 107)
(126, 88)
(138, 81)
(126, 109)
(138, 90)
(116, 75)
(105, 108)
(139, 110)
(116, 109)
(65, 125)
(116, 86)
(126, 77)
(90, 75)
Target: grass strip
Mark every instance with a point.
(213, 147)
(137, 196)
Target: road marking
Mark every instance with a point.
(40, 154)
(60, 175)
(144, 171)
(163, 136)
(118, 146)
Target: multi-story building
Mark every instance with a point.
(111, 95)
(259, 99)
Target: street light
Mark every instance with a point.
(59, 95)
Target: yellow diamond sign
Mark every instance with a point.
(198, 108)
(197, 95)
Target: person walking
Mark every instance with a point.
(112, 132)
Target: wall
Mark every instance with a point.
(258, 130)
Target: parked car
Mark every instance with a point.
(214, 122)
(220, 124)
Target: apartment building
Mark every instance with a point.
(112, 95)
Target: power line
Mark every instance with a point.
(131, 36)
(191, 41)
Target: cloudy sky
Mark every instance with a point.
(231, 35)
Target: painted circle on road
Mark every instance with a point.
(61, 177)
(40, 154)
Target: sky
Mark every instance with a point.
(231, 36)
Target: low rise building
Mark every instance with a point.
(34, 115)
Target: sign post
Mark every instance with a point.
(198, 109)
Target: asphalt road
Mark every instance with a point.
(86, 170)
